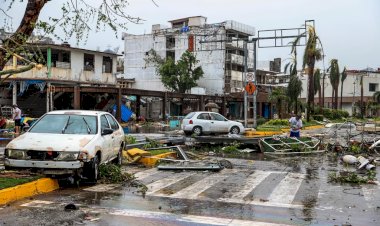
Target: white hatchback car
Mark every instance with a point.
(203, 122)
(69, 142)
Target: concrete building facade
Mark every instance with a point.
(351, 89)
(218, 47)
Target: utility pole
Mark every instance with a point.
(254, 82)
(245, 82)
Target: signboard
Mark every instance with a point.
(249, 77)
(250, 88)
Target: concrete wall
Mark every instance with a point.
(351, 89)
(75, 72)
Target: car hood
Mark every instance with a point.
(50, 142)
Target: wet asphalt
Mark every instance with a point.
(313, 199)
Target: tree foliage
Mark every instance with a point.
(334, 80)
(312, 54)
(279, 98)
(75, 19)
(178, 76)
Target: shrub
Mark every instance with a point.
(277, 122)
(318, 117)
(260, 121)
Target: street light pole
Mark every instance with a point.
(245, 82)
(254, 82)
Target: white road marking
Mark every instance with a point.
(250, 183)
(189, 218)
(102, 187)
(165, 182)
(37, 203)
(146, 173)
(286, 190)
(197, 188)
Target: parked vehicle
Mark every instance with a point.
(69, 142)
(203, 122)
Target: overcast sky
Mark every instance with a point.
(349, 29)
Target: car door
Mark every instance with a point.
(107, 141)
(219, 123)
(116, 137)
(204, 120)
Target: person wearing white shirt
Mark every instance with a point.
(295, 126)
(17, 118)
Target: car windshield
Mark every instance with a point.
(66, 124)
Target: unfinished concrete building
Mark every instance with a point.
(218, 47)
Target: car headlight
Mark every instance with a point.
(16, 154)
(67, 156)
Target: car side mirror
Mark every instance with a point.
(107, 131)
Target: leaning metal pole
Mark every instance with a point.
(254, 82)
(245, 83)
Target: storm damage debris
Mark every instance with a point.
(360, 161)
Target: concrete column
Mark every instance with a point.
(14, 93)
(76, 97)
(224, 105)
(138, 103)
(118, 105)
(164, 100)
(202, 103)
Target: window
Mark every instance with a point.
(373, 87)
(113, 123)
(204, 116)
(104, 123)
(170, 54)
(190, 115)
(217, 117)
(89, 62)
(66, 124)
(170, 42)
(107, 65)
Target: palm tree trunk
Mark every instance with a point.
(319, 98)
(310, 99)
(341, 97)
(323, 89)
(332, 97)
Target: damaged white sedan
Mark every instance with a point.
(70, 142)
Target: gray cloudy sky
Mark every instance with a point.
(349, 29)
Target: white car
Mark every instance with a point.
(69, 142)
(203, 122)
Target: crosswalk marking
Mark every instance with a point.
(102, 187)
(165, 182)
(161, 216)
(250, 183)
(146, 173)
(287, 189)
(197, 188)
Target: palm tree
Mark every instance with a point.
(334, 80)
(278, 97)
(313, 53)
(376, 97)
(317, 86)
(295, 84)
(344, 76)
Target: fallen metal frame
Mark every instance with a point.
(287, 150)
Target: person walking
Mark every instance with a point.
(17, 118)
(295, 126)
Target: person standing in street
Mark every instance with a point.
(295, 126)
(17, 118)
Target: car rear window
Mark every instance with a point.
(190, 115)
(66, 124)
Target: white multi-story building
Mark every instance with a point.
(218, 47)
(351, 88)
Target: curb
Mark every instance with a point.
(271, 133)
(29, 189)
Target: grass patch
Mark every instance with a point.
(352, 177)
(11, 182)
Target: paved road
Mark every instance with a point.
(290, 191)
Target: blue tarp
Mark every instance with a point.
(126, 113)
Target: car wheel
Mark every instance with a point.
(197, 130)
(119, 159)
(92, 170)
(235, 130)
